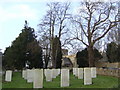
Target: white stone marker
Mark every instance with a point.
(80, 73)
(64, 77)
(58, 71)
(8, 76)
(29, 75)
(87, 76)
(38, 78)
(48, 75)
(93, 72)
(73, 71)
(23, 73)
(76, 72)
(53, 73)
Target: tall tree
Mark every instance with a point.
(57, 53)
(20, 52)
(8, 59)
(92, 23)
(112, 52)
(82, 57)
(34, 55)
(55, 22)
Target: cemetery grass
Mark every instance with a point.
(99, 82)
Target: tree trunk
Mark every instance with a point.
(91, 56)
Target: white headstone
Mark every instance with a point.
(23, 73)
(54, 73)
(64, 77)
(87, 76)
(48, 75)
(38, 78)
(80, 73)
(93, 72)
(8, 76)
(73, 70)
(58, 71)
(29, 75)
(76, 72)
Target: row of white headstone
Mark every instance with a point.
(85, 73)
(36, 75)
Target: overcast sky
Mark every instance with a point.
(13, 13)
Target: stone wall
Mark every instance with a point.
(109, 69)
(107, 64)
(108, 72)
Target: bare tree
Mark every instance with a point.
(55, 22)
(114, 34)
(94, 21)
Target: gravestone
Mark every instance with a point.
(38, 78)
(87, 76)
(54, 73)
(76, 72)
(48, 75)
(8, 76)
(80, 73)
(58, 72)
(24, 74)
(93, 72)
(73, 71)
(29, 75)
(64, 77)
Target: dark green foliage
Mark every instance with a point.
(7, 61)
(56, 53)
(118, 53)
(18, 54)
(97, 55)
(82, 57)
(113, 52)
(35, 55)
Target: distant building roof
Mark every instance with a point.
(67, 61)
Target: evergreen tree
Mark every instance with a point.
(20, 53)
(35, 55)
(82, 57)
(57, 53)
(112, 52)
(8, 61)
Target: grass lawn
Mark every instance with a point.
(99, 82)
